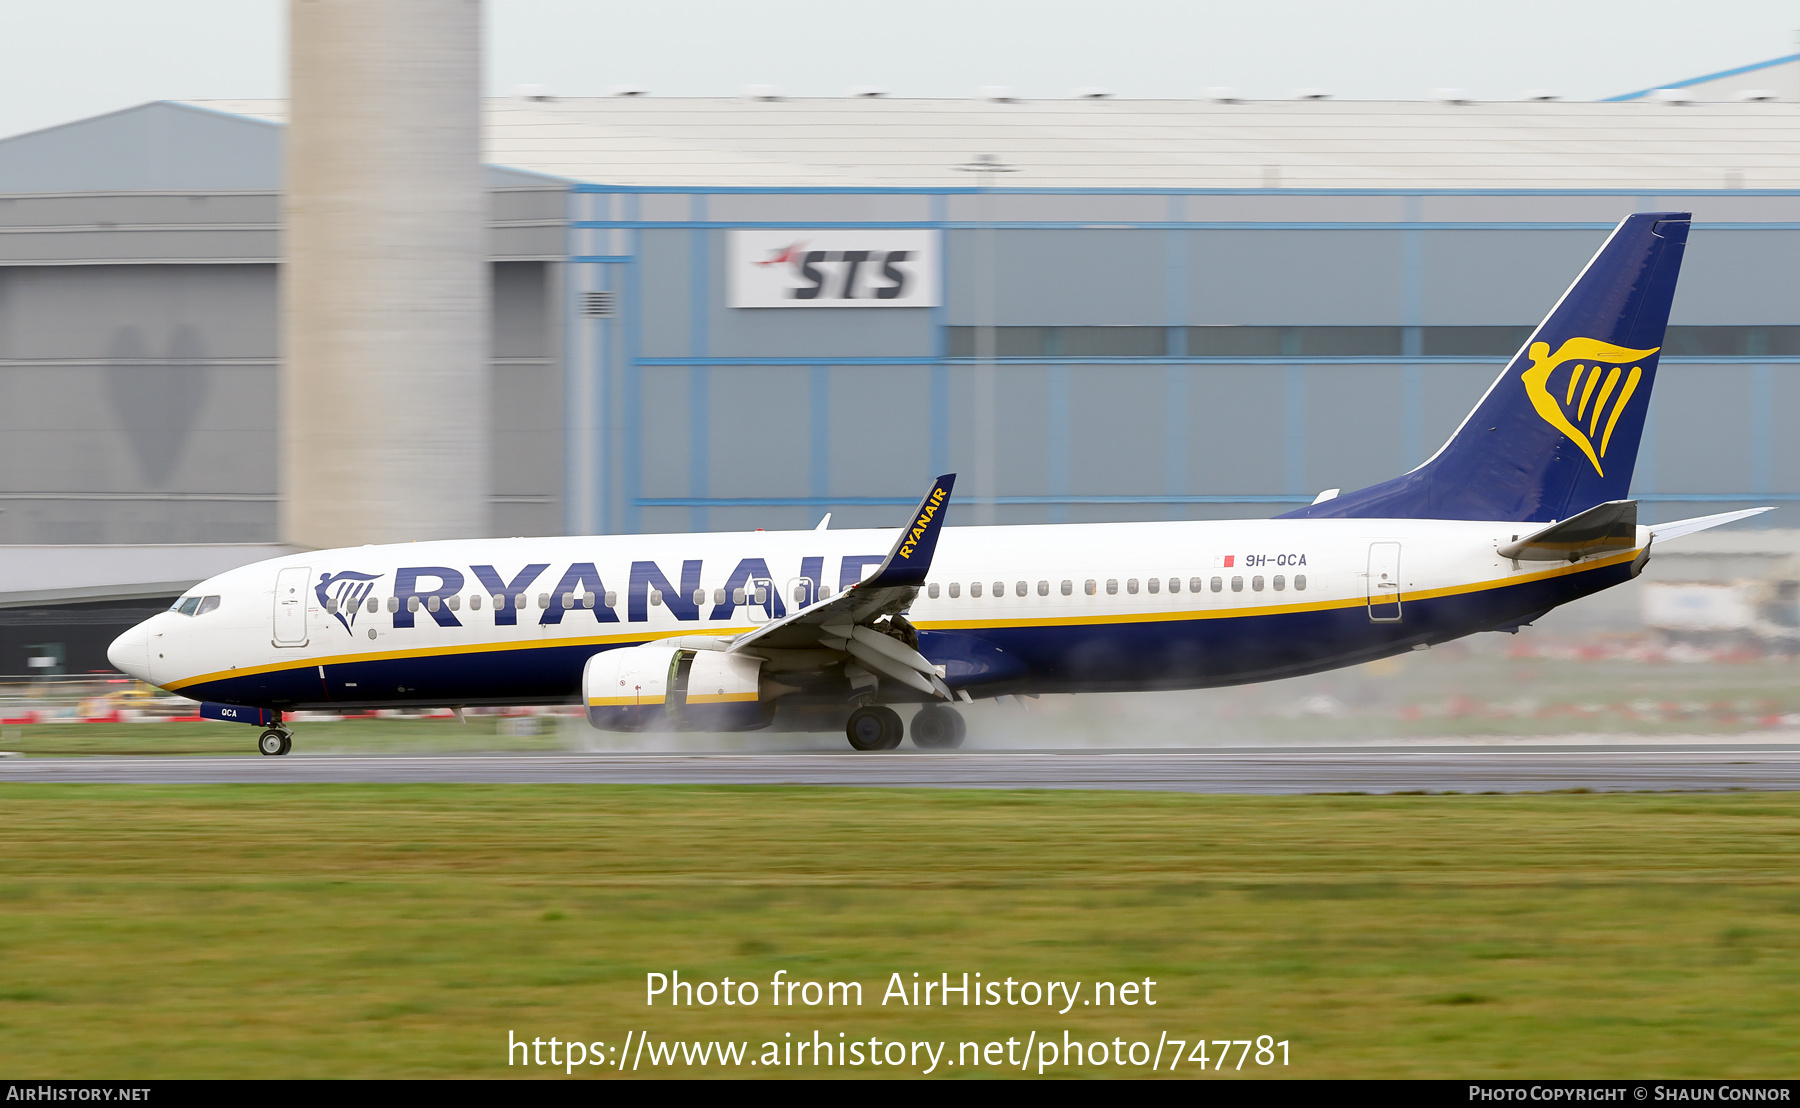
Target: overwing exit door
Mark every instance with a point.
(759, 600)
(1384, 582)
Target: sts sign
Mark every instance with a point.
(873, 268)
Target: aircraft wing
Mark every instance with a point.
(846, 622)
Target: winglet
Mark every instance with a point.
(910, 559)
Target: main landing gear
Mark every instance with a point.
(938, 727)
(275, 742)
(877, 727)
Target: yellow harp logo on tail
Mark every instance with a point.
(1597, 374)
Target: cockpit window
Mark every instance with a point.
(188, 605)
(207, 604)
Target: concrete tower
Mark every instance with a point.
(384, 393)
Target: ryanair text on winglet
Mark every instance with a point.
(923, 523)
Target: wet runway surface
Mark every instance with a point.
(1469, 769)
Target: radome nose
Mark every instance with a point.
(130, 652)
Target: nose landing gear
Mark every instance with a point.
(275, 742)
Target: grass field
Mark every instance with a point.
(404, 930)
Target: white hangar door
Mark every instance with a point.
(290, 605)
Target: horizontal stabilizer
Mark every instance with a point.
(1603, 529)
(1663, 532)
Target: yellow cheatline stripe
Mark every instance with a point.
(446, 651)
(720, 698)
(929, 625)
(624, 701)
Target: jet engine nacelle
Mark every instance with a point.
(653, 688)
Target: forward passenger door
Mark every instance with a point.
(290, 605)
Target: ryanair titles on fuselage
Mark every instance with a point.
(429, 591)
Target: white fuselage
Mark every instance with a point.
(1062, 607)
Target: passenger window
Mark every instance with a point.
(1280, 582)
(1131, 586)
(955, 589)
(1237, 584)
(738, 597)
(1174, 584)
(455, 603)
(931, 590)
(1043, 588)
(1256, 584)
(432, 603)
(474, 602)
(1194, 584)
(1155, 584)
(331, 604)
(612, 598)
(718, 596)
(189, 605)
(543, 600)
(761, 595)
(587, 599)
(1090, 586)
(499, 602)
(1112, 586)
(1019, 589)
(393, 604)
(568, 599)
(824, 592)
(1068, 588)
(1218, 584)
(975, 589)
(999, 589)
(1300, 582)
(208, 604)
(412, 603)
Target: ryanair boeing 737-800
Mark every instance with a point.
(1525, 508)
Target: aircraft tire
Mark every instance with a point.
(274, 743)
(874, 727)
(938, 727)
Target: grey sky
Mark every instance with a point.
(74, 58)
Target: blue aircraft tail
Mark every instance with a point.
(1558, 432)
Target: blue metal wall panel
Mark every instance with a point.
(1299, 278)
(764, 418)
